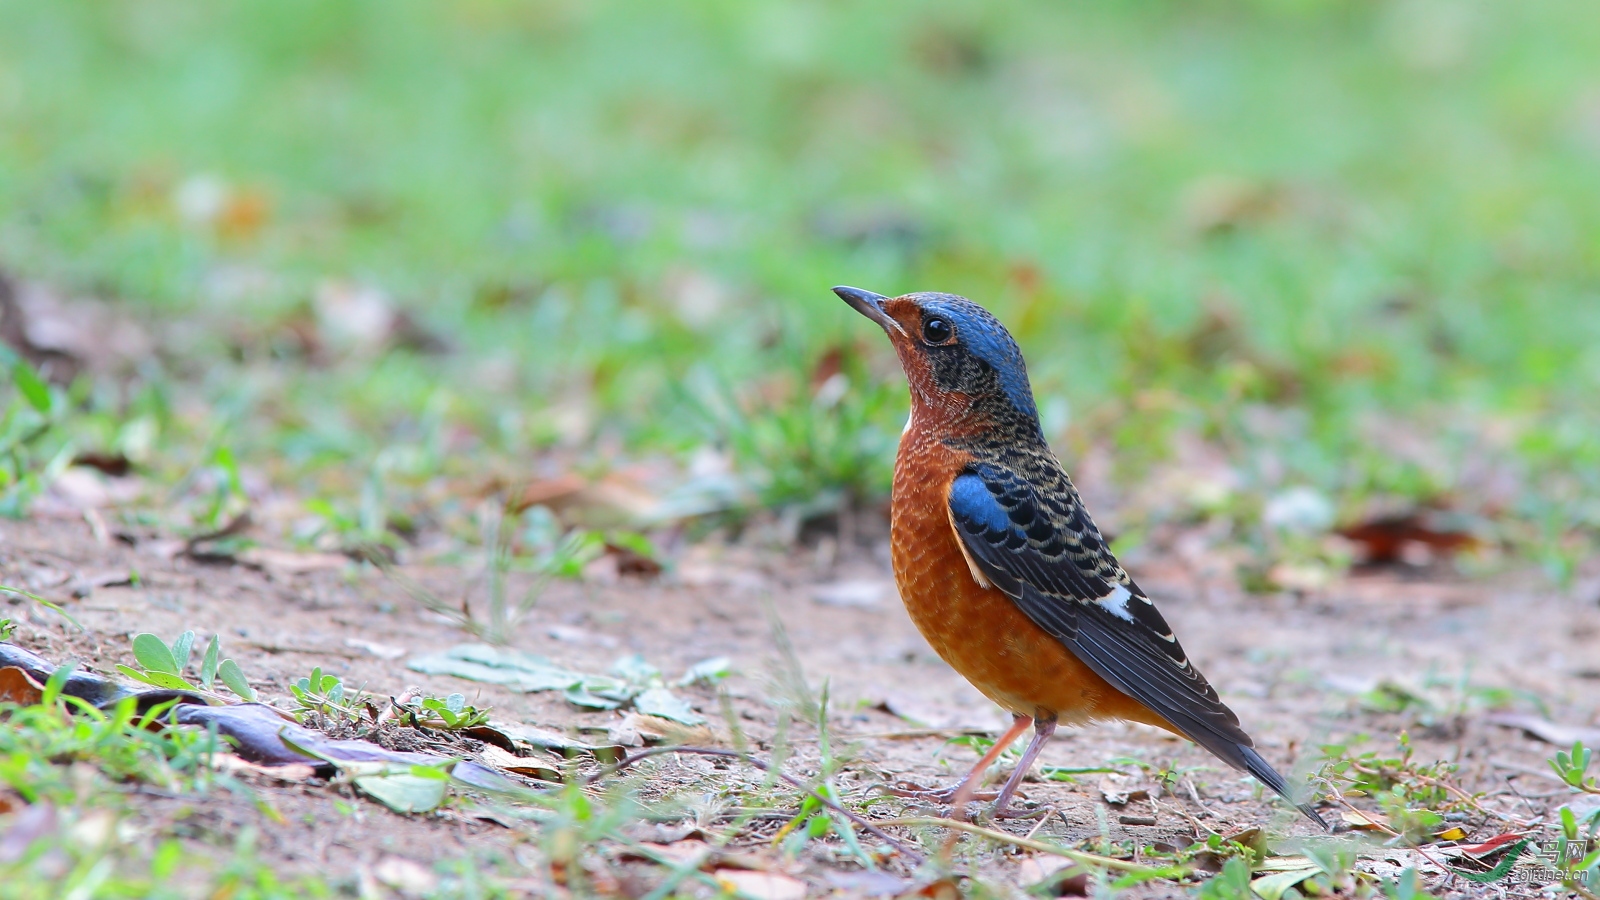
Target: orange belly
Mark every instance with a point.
(978, 630)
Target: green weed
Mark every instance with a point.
(1573, 768)
(451, 713)
(163, 666)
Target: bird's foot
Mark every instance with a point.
(946, 796)
(1012, 812)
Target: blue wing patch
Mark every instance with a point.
(972, 503)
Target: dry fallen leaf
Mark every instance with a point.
(518, 765)
(294, 772)
(656, 730)
(16, 687)
(761, 885)
(1366, 821)
(691, 852)
(1415, 538)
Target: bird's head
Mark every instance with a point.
(962, 364)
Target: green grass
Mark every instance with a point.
(1183, 210)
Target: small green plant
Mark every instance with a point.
(1573, 768)
(162, 665)
(38, 742)
(1412, 795)
(7, 629)
(32, 455)
(810, 453)
(1371, 775)
(325, 694)
(451, 713)
(1575, 836)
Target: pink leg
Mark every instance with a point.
(1042, 729)
(968, 788)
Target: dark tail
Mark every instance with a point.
(1251, 762)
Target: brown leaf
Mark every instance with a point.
(1365, 821)
(691, 852)
(942, 889)
(114, 464)
(544, 492)
(17, 687)
(761, 885)
(656, 730)
(293, 773)
(1414, 538)
(517, 765)
(631, 563)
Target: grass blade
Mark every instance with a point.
(31, 386)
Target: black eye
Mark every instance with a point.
(936, 331)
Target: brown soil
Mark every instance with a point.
(1291, 666)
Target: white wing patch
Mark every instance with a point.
(1116, 602)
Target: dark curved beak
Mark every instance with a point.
(870, 305)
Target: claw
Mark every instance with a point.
(913, 791)
(1014, 813)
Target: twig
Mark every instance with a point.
(746, 758)
(906, 734)
(1077, 856)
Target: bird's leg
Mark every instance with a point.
(1042, 730)
(967, 789)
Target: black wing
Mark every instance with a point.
(1041, 549)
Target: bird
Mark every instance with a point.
(1001, 567)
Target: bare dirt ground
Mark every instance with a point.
(1300, 670)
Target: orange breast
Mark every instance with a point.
(978, 630)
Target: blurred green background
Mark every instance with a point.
(1353, 246)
